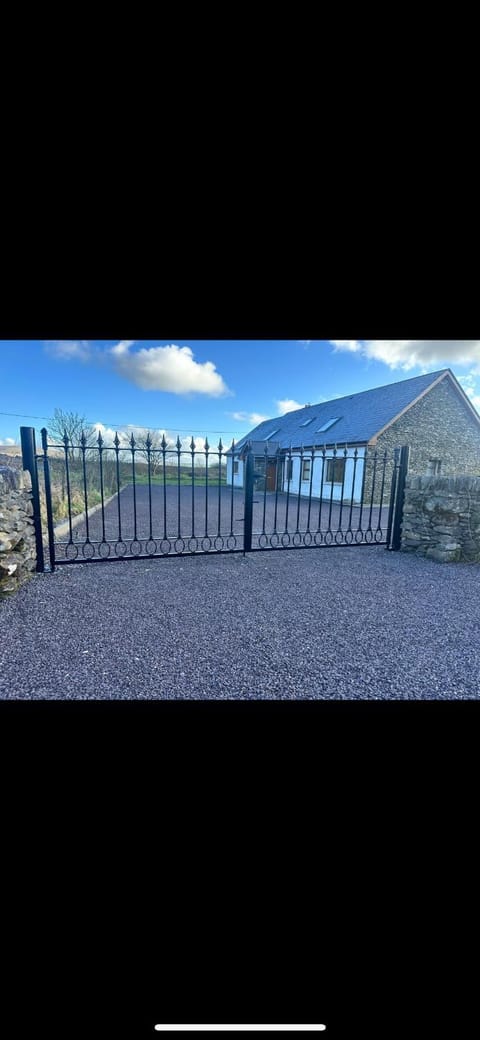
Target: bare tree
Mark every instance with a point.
(73, 425)
(153, 440)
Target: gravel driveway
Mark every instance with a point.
(308, 623)
(217, 515)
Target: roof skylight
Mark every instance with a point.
(269, 435)
(308, 421)
(328, 424)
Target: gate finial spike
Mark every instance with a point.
(83, 439)
(164, 442)
(132, 442)
(100, 440)
(116, 441)
(207, 446)
(148, 442)
(179, 443)
(220, 446)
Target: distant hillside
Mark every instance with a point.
(12, 460)
(14, 450)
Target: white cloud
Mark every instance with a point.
(288, 405)
(169, 368)
(469, 385)
(346, 344)
(416, 353)
(69, 350)
(9, 441)
(200, 447)
(122, 347)
(140, 432)
(253, 418)
(108, 435)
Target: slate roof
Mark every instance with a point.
(258, 447)
(360, 416)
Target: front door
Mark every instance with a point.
(271, 475)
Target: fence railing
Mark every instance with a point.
(131, 499)
(324, 496)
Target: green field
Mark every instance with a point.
(112, 482)
(172, 477)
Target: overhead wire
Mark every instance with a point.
(135, 426)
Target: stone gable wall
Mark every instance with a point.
(17, 534)
(438, 426)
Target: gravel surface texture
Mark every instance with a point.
(302, 624)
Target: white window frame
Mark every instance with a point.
(306, 462)
(330, 462)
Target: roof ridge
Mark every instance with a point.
(359, 423)
(371, 390)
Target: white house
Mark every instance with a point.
(326, 449)
(308, 472)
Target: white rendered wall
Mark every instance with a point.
(238, 477)
(317, 464)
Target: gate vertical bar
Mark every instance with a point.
(397, 519)
(248, 508)
(393, 488)
(29, 453)
(48, 500)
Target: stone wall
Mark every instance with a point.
(441, 518)
(17, 534)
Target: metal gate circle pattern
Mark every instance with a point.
(170, 500)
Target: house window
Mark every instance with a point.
(306, 469)
(235, 468)
(327, 424)
(434, 467)
(335, 471)
(289, 469)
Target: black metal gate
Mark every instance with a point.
(135, 500)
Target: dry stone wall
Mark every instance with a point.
(17, 534)
(441, 518)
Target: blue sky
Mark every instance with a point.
(198, 387)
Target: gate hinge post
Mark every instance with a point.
(248, 504)
(400, 498)
(29, 456)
